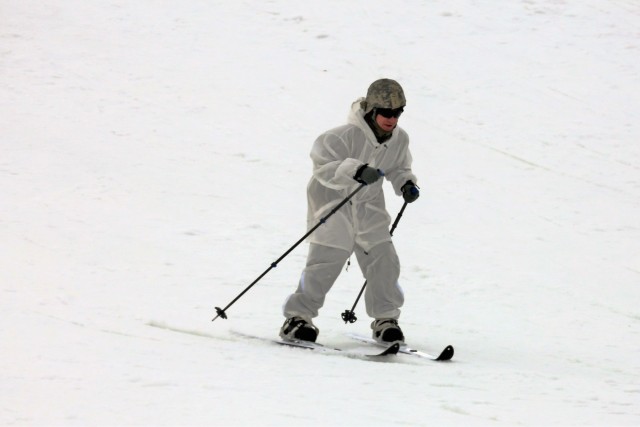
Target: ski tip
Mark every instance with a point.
(392, 349)
(447, 354)
(395, 348)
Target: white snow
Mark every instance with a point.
(154, 159)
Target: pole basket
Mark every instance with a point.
(349, 316)
(221, 313)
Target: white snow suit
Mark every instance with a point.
(360, 226)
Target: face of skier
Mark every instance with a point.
(387, 119)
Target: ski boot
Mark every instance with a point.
(386, 331)
(298, 328)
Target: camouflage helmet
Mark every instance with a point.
(384, 93)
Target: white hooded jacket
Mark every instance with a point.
(337, 154)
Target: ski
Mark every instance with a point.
(394, 348)
(445, 355)
(391, 349)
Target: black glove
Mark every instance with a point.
(367, 175)
(410, 192)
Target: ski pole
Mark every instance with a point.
(349, 315)
(222, 311)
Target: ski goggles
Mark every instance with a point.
(389, 113)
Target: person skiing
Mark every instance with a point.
(368, 147)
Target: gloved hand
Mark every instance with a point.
(367, 175)
(410, 192)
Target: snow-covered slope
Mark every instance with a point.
(154, 159)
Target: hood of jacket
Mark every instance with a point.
(356, 117)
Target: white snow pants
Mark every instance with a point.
(380, 266)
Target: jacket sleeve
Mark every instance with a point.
(332, 166)
(399, 175)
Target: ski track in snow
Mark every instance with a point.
(154, 161)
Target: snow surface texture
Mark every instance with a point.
(154, 159)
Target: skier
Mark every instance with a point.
(361, 152)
